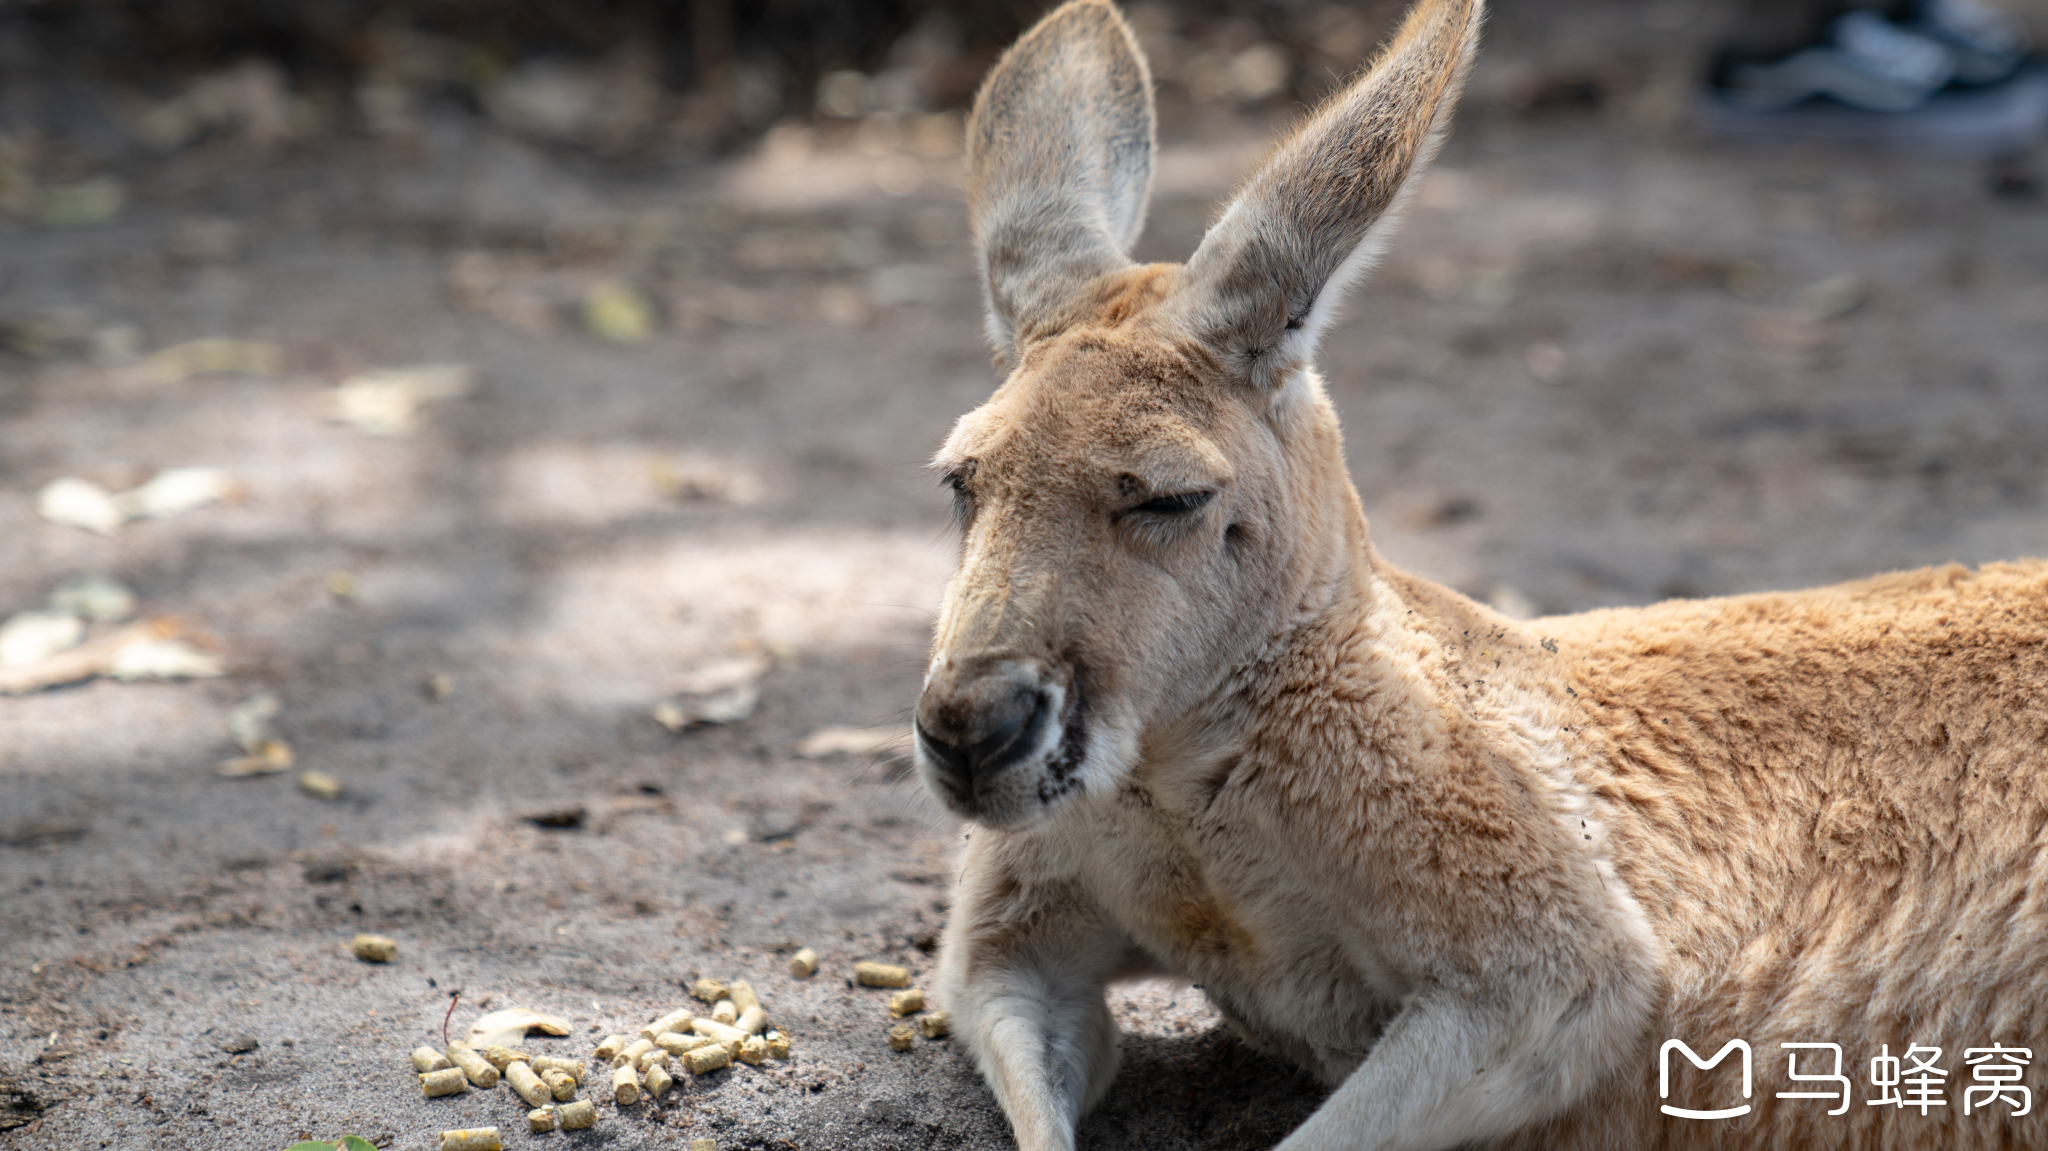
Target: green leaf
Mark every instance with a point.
(356, 1143)
(312, 1145)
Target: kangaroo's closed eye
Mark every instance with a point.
(1180, 505)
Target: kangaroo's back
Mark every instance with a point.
(1830, 805)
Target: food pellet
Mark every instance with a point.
(709, 990)
(541, 1121)
(730, 1036)
(743, 997)
(703, 1145)
(900, 1037)
(561, 1086)
(446, 1081)
(907, 1002)
(474, 1139)
(651, 1058)
(725, 1011)
(425, 1059)
(669, 1022)
(803, 964)
(375, 948)
(937, 1025)
(752, 1020)
(676, 1043)
(475, 1066)
(778, 1045)
(707, 1058)
(547, 1063)
(578, 1115)
(880, 974)
(626, 1086)
(633, 1052)
(503, 1057)
(527, 1085)
(659, 1080)
(610, 1048)
(754, 1051)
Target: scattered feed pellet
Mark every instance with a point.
(474, 1139)
(320, 785)
(937, 1025)
(725, 1011)
(632, 1053)
(626, 1086)
(650, 1058)
(754, 1051)
(708, 1058)
(578, 1115)
(880, 974)
(677, 1043)
(446, 1081)
(703, 1145)
(560, 1085)
(718, 1032)
(743, 997)
(900, 1037)
(527, 1085)
(546, 1063)
(425, 1059)
(803, 964)
(778, 1045)
(752, 1020)
(375, 948)
(659, 1080)
(502, 1057)
(908, 1002)
(709, 990)
(475, 1066)
(541, 1120)
(610, 1048)
(669, 1022)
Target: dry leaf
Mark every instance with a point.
(249, 722)
(507, 1027)
(139, 651)
(155, 658)
(215, 354)
(728, 706)
(853, 741)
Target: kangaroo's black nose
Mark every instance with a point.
(969, 742)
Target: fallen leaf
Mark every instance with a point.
(853, 741)
(507, 1027)
(618, 312)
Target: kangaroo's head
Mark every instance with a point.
(1157, 489)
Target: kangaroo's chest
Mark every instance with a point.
(1238, 913)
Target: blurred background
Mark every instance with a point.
(440, 436)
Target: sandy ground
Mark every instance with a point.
(1584, 377)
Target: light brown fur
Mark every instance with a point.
(1471, 872)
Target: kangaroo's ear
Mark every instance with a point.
(1275, 265)
(1059, 165)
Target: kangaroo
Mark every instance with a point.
(1482, 877)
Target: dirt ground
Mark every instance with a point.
(1606, 362)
